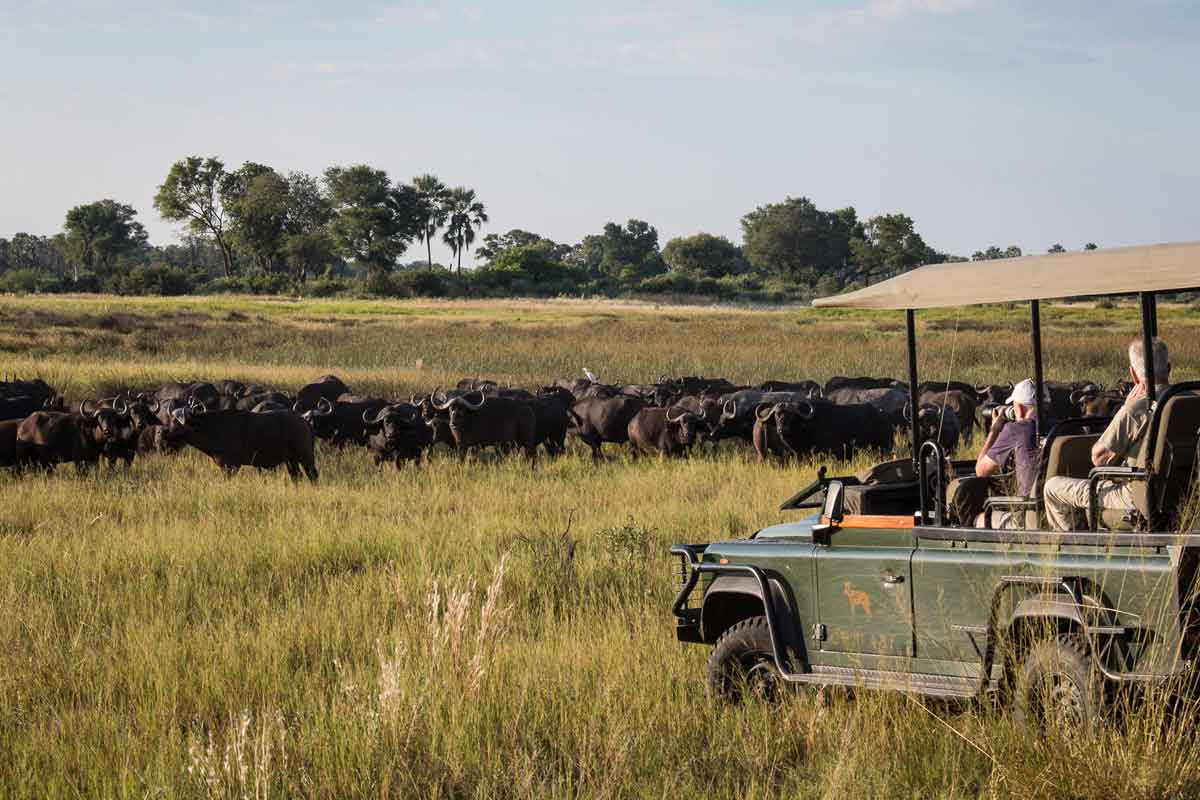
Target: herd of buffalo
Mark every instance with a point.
(238, 424)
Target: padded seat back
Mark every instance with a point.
(965, 498)
(1174, 455)
(1071, 456)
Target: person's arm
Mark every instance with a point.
(1103, 454)
(985, 467)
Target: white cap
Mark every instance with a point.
(1023, 393)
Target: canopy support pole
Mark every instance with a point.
(1149, 326)
(914, 412)
(1153, 314)
(1035, 317)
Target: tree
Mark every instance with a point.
(497, 244)
(888, 245)
(627, 254)
(1090, 246)
(797, 240)
(372, 222)
(432, 194)
(97, 233)
(993, 253)
(257, 201)
(191, 194)
(704, 255)
(465, 216)
(1056, 248)
(307, 244)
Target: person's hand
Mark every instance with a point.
(1138, 392)
(998, 418)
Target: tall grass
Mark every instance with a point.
(460, 629)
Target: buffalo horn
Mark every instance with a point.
(324, 408)
(683, 412)
(729, 411)
(765, 411)
(474, 406)
(378, 417)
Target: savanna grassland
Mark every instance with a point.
(475, 629)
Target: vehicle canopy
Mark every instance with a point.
(1143, 270)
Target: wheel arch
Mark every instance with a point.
(733, 598)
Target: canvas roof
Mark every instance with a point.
(1123, 270)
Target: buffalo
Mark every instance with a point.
(939, 423)
(600, 420)
(553, 418)
(738, 409)
(963, 403)
(891, 401)
(328, 387)
(817, 426)
(18, 407)
(478, 420)
(236, 439)
(48, 438)
(8, 442)
(398, 433)
(342, 422)
(669, 431)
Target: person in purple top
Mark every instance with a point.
(1016, 436)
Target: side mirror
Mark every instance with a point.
(834, 501)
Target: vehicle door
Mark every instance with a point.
(864, 590)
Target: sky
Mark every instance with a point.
(987, 121)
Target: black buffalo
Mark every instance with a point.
(18, 407)
(479, 420)
(738, 409)
(939, 423)
(398, 433)
(236, 439)
(599, 420)
(328, 387)
(48, 438)
(8, 442)
(341, 422)
(669, 431)
(815, 426)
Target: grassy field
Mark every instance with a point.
(467, 630)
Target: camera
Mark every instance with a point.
(1010, 413)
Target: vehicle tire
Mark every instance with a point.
(1057, 686)
(741, 665)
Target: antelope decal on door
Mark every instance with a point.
(857, 600)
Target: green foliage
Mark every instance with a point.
(191, 194)
(372, 221)
(796, 240)
(98, 233)
(994, 253)
(625, 255)
(889, 245)
(154, 279)
(432, 209)
(464, 215)
(29, 281)
(704, 255)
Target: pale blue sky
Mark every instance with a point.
(988, 121)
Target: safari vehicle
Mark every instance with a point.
(883, 586)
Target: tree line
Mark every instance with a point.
(261, 230)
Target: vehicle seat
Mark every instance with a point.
(1171, 469)
(1173, 460)
(887, 499)
(965, 498)
(1071, 456)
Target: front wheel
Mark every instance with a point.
(742, 664)
(1058, 686)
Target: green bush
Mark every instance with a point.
(156, 279)
(29, 281)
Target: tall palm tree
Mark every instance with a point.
(432, 194)
(466, 215)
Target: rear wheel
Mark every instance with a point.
(742, 666)
(1058, 686)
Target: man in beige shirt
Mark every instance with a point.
(1123, 442)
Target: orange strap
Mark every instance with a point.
(873, 521)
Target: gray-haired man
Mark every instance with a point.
(1123, 441)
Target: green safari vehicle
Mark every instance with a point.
(880, 586)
